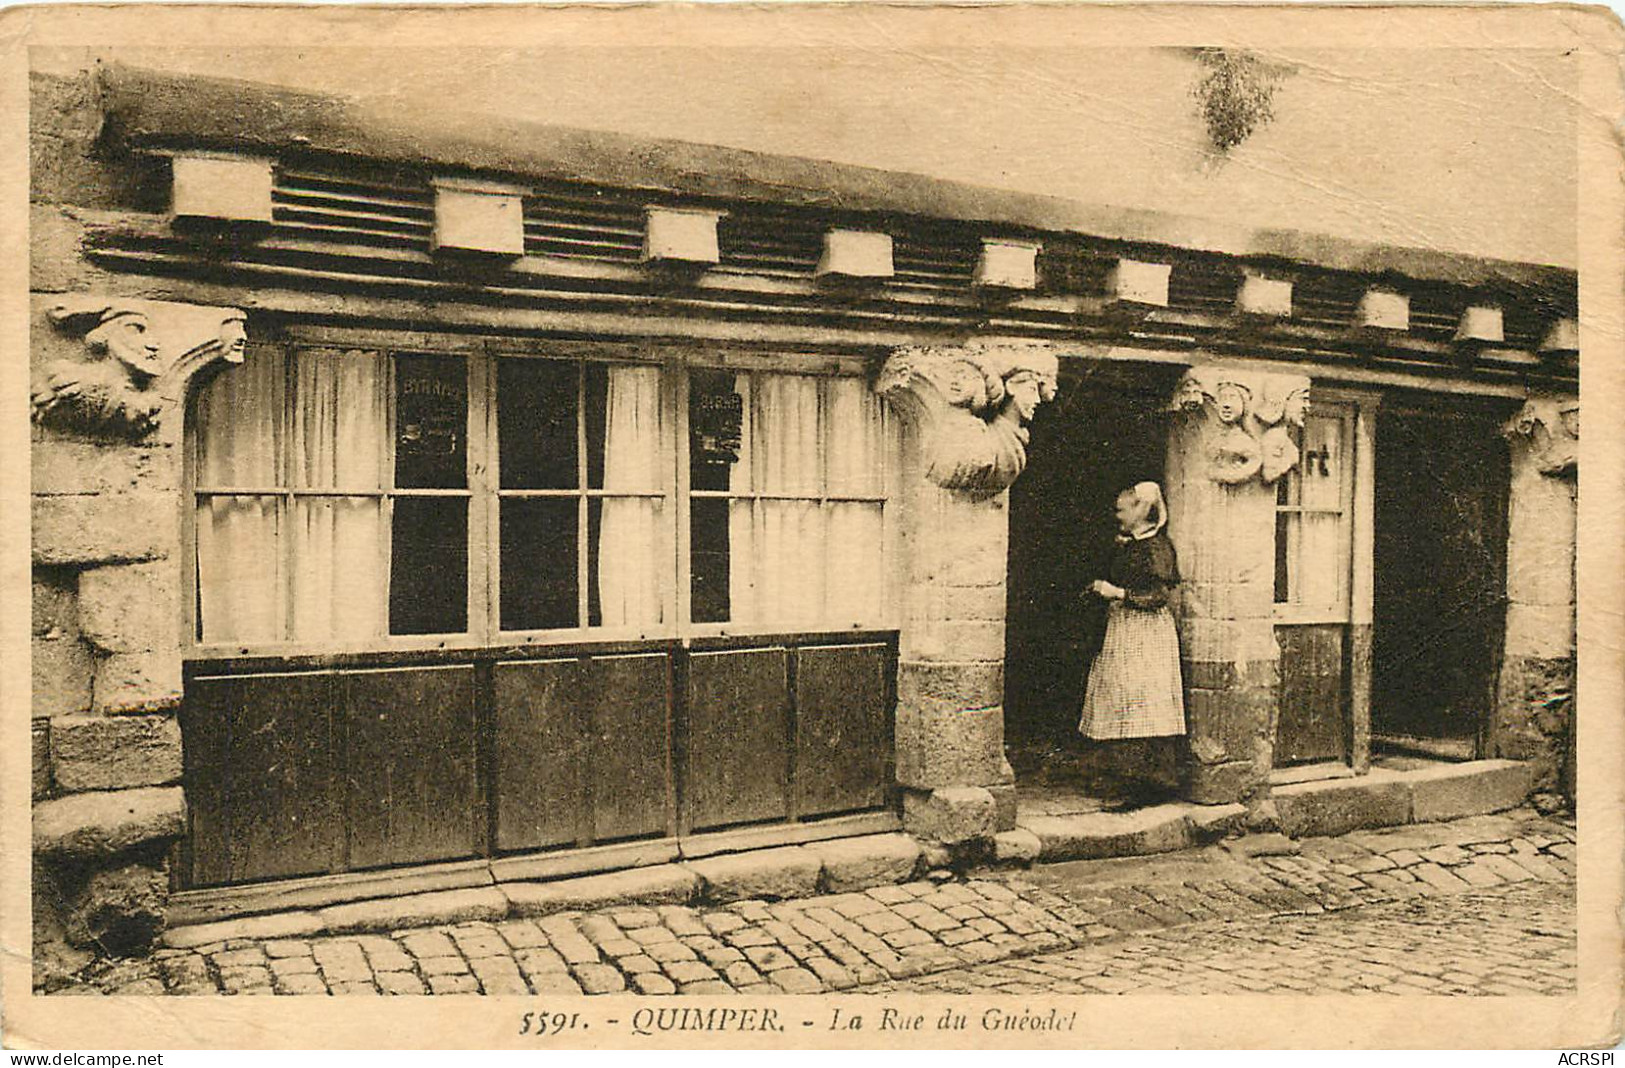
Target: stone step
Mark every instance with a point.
(1386, 798)
(1156, 829)
(836, 865)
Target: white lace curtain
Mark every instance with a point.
(633, 552)
(276, 562)
(330, 583)
(800, 560)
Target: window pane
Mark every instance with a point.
(431, 422)
(428, 574)
(856, 574)
(239, 585)
(784, 435)
(338, 420)
(538, 558)
(854, 446)
(1321, 462)
(624, 428)
(1319, 575)
(776, 558)
(708, 560)
(239, 424)
(626, 559)
(1309, 562)
(338, 568)
(716, 431)
(537, 404)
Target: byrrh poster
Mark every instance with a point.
(778, 526)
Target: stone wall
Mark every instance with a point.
(106, 511)
(1224, 535)
(106, 678)
(1535, 695)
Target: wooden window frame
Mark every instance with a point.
(484, 494)
(1346, 410)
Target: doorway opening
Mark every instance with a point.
(1105, 431)
(1439, 588)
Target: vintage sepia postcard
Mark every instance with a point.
(775, 526)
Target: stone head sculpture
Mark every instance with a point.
(1232, 399)
(126, 335)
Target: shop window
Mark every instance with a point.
(787, 500)
(348, 499)
(1312, 508)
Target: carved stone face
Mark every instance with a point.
(233, 339)
(1190, 394)
(126, 337)
(964, 386)
(1025, 393)
(1232, 402)
(1571, 421)
(1296, 407)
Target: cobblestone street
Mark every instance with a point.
(1479, 905)
(1514, 941)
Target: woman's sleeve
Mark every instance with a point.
(1162, 575)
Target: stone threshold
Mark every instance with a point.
(1321, 807)
(833, 856)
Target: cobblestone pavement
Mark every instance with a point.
(1517, 940)
(901, 932)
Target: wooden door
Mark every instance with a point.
(1313, 590)
(1441, 533)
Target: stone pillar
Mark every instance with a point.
(965, 412)
(108, 380)
(1535, 694)
(1227, 444)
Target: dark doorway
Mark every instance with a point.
(1439, 596)
(1104, 431)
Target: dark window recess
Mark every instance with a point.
(595, 521)
(715, 420)
(1283, 530)
(597, 398)
(431, 422)
(536, 423)
(428, 570)
(539, 563)
(708, 547)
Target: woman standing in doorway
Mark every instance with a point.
(1134, 700)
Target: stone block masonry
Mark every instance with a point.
(1534, 707)
(106, 641)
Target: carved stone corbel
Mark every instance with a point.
(1251, 414)
(136, 359)
(971, 405)
(1551, 426)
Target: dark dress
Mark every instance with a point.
(1134, 688)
